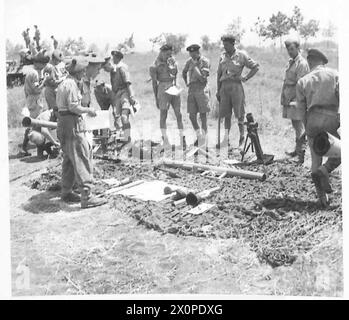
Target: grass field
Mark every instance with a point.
(113, 253)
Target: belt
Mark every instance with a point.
(68, 113)
(231, 80)
(323, 110)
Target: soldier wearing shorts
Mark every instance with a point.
(296, 68)
(230, 92)
(198, 68)
(122, 92)
(163, 74)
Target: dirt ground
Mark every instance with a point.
(110, 250)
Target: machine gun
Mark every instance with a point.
(253, 142)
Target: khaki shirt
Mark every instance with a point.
(55, 76)
(230, 68)
(69, 96)
(318, 88)
(31, 83)
(85, 88)
(203, 66)
(164, 71)
(120, 77)
(295, 69)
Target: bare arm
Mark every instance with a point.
(47, 134)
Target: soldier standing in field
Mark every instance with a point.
(71, 132)
(37, 37)
(55, 42)
(55, 76)
(198, 101)
(122, 92)
(34, 83)
(296, 68)
(163, 74)
(230, 91)
(318, 98)
(26, 37)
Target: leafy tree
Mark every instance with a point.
(309, 29)
(176, 40)
(93, 48)
(206, 43)
(260, 29)
(279, 26)
(329, 32)
(235, 28)
(297, 19)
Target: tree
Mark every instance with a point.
(329, 32)
(309, 29)
(130, 42)
(279, 26)
(207, 45)
(296, 21)
(93, 48)
(12, 50)
(158, 40)
(176, 40)
(235, 28)
(260, 29)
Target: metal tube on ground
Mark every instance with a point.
(229, 171)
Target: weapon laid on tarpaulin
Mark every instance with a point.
(202, 167)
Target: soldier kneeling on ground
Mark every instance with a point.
(45, 138)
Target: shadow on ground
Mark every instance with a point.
(291, 205)
(48, 202)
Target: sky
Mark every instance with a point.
(108, 21)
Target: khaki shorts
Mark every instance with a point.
(119, 101)
(165, 100)
(293, 113)
(198, 99)
(232, 99)
(320, 119)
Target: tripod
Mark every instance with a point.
(253, 142)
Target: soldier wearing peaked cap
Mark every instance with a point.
(195, 75)
(318, 96)
(296, 68)
(163, 74)
(230, 91)
(71, 132)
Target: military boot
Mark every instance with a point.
(88, 201)
(25, 143)
(300, 148)
(293, 153)
(320, 192)
(242, 135)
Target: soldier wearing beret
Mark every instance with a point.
(230, 92)
(163, 74)
(34, 84)
(317, 94)
(198, 68)
(296, 68)
(122, 92)
(71, 132)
